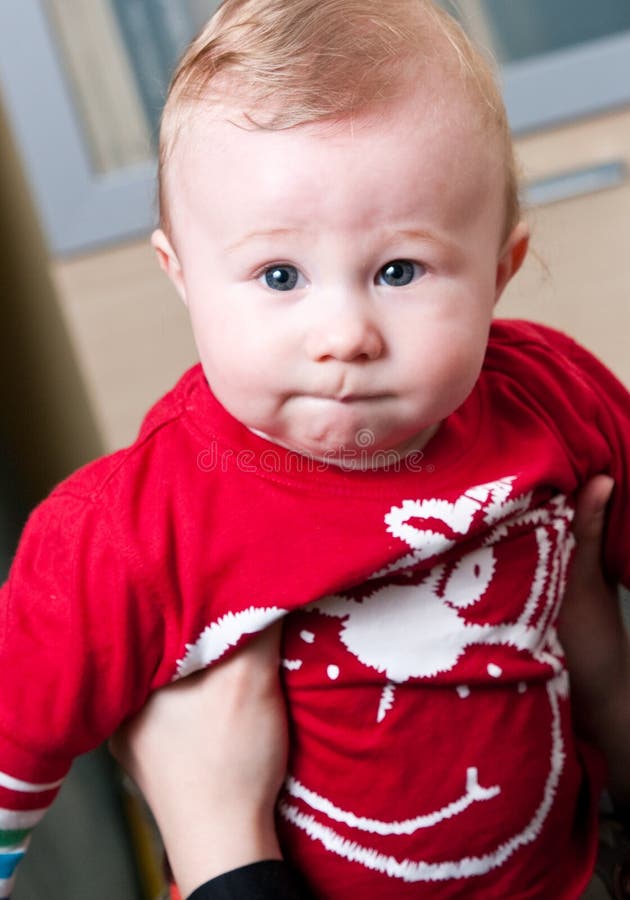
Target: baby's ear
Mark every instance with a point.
(512, 255)
(168, 260)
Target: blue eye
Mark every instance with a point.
(398, 273)
(281, 278)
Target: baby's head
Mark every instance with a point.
(277, 64)
(340, 213)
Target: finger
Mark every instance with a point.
(120, 746)
(590, 512)
(586, 579)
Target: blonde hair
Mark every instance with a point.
(292, 62)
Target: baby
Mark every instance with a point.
(362, 448)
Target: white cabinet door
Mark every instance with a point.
(560, 59)
(83, 83)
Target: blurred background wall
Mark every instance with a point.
(46, 425)
(47, 429)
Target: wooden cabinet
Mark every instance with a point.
(577, 277)
(130, 333)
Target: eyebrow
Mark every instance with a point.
(258, 235)
(417, 234)
(390, 236)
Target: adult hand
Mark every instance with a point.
(209, 753)
(590, 621)
(597, 644)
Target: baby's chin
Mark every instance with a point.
(360, 448)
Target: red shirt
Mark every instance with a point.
(432, 751)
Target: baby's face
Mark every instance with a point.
(341, 279)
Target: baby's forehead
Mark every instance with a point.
(429, 97)
(425, 138)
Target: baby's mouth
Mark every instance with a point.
(349, 398)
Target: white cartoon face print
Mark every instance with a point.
(465, 616)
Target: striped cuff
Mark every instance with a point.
(17, 822)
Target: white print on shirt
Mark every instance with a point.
(225, 633)
(472, 793)
(420, 631)
(409, 870)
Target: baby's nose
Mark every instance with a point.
(347, 335)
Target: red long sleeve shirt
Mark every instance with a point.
(432, 750)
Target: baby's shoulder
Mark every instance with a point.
(518, 341)
(149, 463)
(535, 373)
(544, 362)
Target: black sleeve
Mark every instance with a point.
(272, 879)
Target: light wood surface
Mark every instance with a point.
(130, 331)
(578, 276)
